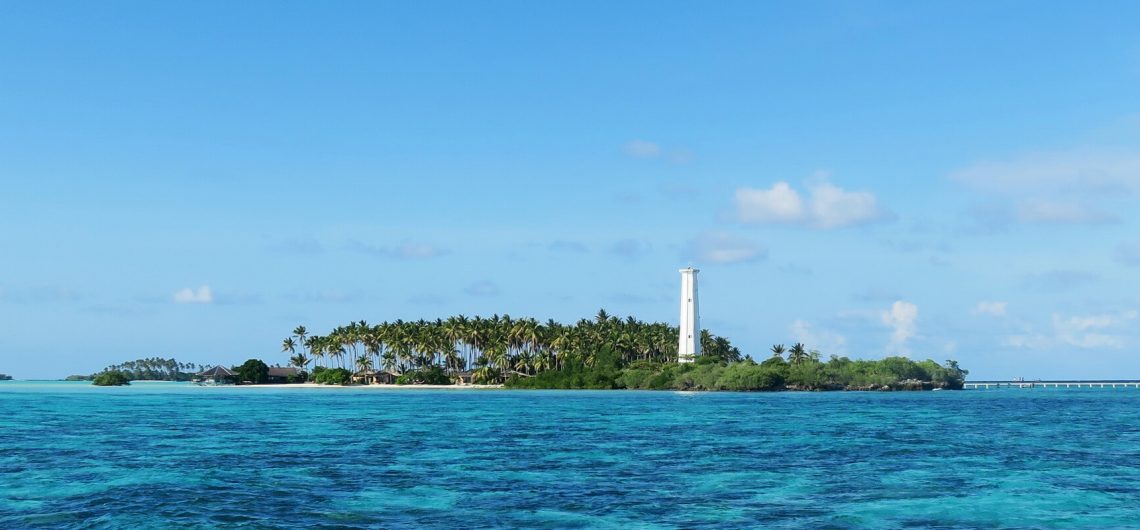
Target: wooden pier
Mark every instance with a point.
(976, 385)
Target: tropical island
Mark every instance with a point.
(148, 369)
(5, 377)
(605, 352)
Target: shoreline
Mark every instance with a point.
(377, 387)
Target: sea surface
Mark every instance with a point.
(162, 455)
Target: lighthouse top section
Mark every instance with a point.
(689, 341)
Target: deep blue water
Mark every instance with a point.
(169, 455)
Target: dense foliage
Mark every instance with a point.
(5, 377)
(253, 371)
(155, 369)
(804, 371)
(495, 348)
(111, 378)
(431, 375)
(331, 376)
(603, 353)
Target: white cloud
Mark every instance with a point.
(719, 247)
(828, 206)
(1077, 171)
(827, 342)
(902, 319)
(780, 204)
(642, 149)
(1061, 212)
(1085, 332)
(833, 207)
(993, 309)
(203, 295)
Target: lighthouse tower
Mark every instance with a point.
(689, 346)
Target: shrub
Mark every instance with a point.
(331, 376)
(806, 374)
(634, 378)
(745, 376)
(432, 375)
(111, 378)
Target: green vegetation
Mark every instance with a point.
(605, 352)
(5, 377)
(331, 376)
(111, 378)
(153, 369)
(79, 378)
(493, 349)
(776, 373)
(431, 375)
(253, 371)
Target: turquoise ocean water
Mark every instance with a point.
(162, 455)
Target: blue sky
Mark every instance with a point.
(943, 180)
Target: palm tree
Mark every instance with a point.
(798, 354)
(300, 361)
(778, 351)
(498, 346)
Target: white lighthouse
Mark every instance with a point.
(689, 346)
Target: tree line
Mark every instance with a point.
(493, 349)
(155, 369)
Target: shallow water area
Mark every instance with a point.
(167, 454)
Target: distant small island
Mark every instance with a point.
(149, 369)
(5, 377)
(605, 352)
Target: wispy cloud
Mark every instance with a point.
(482, 288)
(1128, 254)
(201, 295)
(723, 248)
(825, 341)
(1060, 187)
(642, 149)
(827, 206)
(328, 296)
(875, 294)
(303, 246)
(1058, 280)
(405, 250)
(1044, 211)
(1082, 331)
(993, 309)
(630, 249)
(1085, 171)
(563, 245)
(42, 294)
